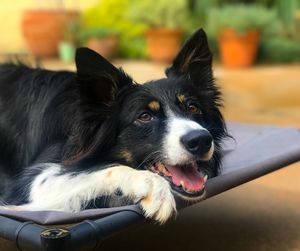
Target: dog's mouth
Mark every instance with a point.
(187, 180)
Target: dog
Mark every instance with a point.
(95, 138)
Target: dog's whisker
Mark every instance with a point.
(3, 202)
(151, 155)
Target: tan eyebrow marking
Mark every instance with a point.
(154, 105)
(126, 154)
(181, 98)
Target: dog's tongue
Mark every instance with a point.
(192, 179)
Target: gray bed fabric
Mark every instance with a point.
(255, 151)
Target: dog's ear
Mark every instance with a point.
(97, 77)
(194, 59)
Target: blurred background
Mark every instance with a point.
(256, 47)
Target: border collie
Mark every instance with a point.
(95, 138)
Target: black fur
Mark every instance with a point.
(85, 120)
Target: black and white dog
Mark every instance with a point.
(70, 141)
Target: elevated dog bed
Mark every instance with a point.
(256, 151)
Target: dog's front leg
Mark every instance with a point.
(149, 189)
(54, 190)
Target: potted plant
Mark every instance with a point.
(43, 28)
(238, 29)
(112, 14)
(102, 40)
(166, 21)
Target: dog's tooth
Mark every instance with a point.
(205, 178)
(182, 183)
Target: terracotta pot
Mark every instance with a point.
(163, 44)
(238, 50)
(106, 46)
(44, 29)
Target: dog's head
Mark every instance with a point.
(171, 126)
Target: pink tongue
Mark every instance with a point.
(192, 179)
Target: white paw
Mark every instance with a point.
(155, 196)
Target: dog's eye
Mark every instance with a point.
(193, 108)
(145, 117)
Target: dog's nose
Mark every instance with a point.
(197, 142)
